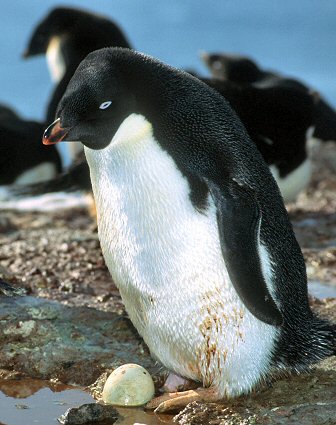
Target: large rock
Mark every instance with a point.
(46, 339)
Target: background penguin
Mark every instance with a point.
(66, 35)
(22, 158)
(192, 226)
(242, 70)
(75, 177)
(280, 121)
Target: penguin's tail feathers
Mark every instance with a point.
(324, 333)
(75, 178)
(313, 341)
(334, 339)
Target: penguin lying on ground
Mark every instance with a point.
(22, 159)
(75, 178)
(243, 70)
(66, 35)
(192, 226)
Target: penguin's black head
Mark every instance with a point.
(59, 21)
(231, 67)
(88, 31)
(94, 105)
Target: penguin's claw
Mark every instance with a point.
(177, 401)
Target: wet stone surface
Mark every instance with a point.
(46, 339)
(87, 413)
(72, 327)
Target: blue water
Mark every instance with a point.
(297, 37)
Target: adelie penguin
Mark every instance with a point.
(243, 70)
(22, 161)
(192, 227)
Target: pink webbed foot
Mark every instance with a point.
(176, 383)
(178, 400)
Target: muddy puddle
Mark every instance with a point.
(33, 401)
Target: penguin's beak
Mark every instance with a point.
(204, 56)
(54, 133)
(25, 54)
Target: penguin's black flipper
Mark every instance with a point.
(239, 218)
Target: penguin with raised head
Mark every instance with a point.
(243, 70)
(66, 35)
(22, 160)
(192, 226)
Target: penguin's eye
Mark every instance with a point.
(106, 104)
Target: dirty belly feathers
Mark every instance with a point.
(192, 225)
(159, 258)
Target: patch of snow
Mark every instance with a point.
(47, 202)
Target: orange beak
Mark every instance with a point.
(54, 133)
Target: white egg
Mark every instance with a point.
(128, 385)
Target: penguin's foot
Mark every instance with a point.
(178, 400)
(176, 383)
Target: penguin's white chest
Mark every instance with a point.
(55, 60)
(291, 185)
(166, 259)
(40, 173)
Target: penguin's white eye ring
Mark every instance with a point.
(106, 104)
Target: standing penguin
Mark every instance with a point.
(192, 226)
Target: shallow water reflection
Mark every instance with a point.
(321, 290)
(33, 401)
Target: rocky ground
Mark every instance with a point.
(72, 326)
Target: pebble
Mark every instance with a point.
(88, 413)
